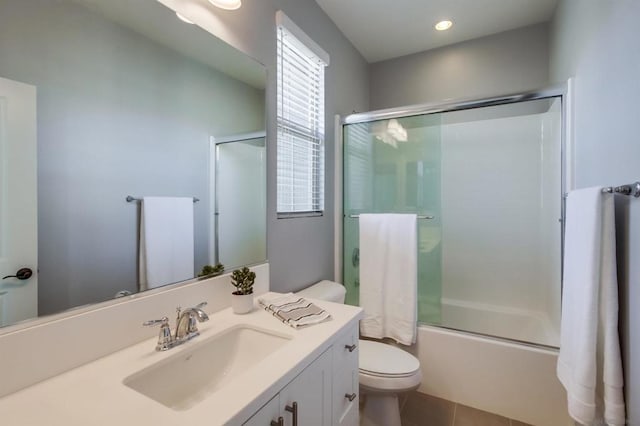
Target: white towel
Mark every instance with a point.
(389, 276)
(589, 364)
(293, 310)
(166, 241)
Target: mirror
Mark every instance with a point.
(104, 99)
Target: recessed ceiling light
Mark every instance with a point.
(443, 25)
(183, 18)
(227, 4)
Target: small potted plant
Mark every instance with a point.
(209, 271)
(242, 298)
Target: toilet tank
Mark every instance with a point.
(325, 290)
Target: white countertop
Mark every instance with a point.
(94, 394)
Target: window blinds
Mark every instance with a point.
(300, 121)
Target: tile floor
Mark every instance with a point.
(418, 409)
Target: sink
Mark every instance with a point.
(191, 375)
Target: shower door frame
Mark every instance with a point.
(562, 91)
(214, 202)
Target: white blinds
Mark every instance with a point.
(300, 150)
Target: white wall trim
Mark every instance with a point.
(569, 143)
(283, 20)
(337, 199)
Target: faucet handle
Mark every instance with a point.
(164, 337)
(201, 305)
(162, 321)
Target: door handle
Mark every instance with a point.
(280, 422)
(22, 274)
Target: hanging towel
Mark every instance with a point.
(293, 310)
(389, 276)
(589, 364)
(166, 241)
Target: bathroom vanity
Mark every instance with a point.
(242, 370)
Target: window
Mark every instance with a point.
(300, 121)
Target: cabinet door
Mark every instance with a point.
(263, 417)
(345, 379)
(311, 391)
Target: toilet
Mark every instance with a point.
(385, 370)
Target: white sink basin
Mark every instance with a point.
(183, 380)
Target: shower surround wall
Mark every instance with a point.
(501, 193)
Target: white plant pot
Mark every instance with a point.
(242, 303)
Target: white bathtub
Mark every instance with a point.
(500, 321)
(513, 380)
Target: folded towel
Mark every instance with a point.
(589, 364)
(389, 276)
(293, 310)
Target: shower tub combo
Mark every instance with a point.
(486, 180)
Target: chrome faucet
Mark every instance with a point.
(187, 322)
(186, 327)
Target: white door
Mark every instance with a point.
(18, 202)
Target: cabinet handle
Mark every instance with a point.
(351, 348)
(350, 397)
(293, 409)
(280, 422)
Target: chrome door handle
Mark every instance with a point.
(293, 409)
(22, 274)
(280, 422)
(350, 348)
(350, 397)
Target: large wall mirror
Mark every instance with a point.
(105, 99)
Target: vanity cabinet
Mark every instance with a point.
(325, 393)
(307, 398)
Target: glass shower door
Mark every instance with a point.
(489, 261)
(393, 166)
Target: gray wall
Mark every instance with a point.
(300, 250)
(502, 63)
(597, 42)
(117, 115)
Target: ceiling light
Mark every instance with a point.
(440, 26)
(183, 18)
(227, 4)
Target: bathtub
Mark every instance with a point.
(493, 320)
(514, 380)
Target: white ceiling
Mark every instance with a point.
(385, 29)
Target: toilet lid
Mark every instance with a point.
(381, 359)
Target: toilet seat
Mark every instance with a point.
(385, 368)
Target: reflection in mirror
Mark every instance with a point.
(101, 99)
(240, 219)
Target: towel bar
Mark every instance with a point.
(131, 199)
(630, 189)
(356, 216)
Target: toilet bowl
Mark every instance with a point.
(385, 370)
